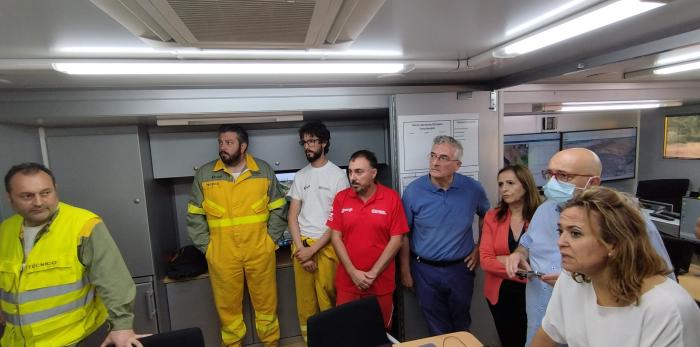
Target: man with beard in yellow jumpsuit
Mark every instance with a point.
(236, 213)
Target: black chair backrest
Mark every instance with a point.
(190, 337)
(669, 191)
(354, 324)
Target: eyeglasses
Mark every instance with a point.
(308, 142)
(440, 158)
(561, 176)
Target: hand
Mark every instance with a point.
(550, 279)
(123, 338)
(362, 279)
(304, 254)
(406, 279)
(502, 259)
(472, 260)
(515, 261)
(309, 266)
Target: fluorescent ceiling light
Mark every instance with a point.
(109, 50)
(608, 105)
(678, 68)
(679, 55)
(584, 108)
(614, 102)
(229, 120)
(539, 19)
(231, 52)
(241, 68)
(301, 53)
(578, 25)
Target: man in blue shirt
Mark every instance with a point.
(569, 171)
(440, 209)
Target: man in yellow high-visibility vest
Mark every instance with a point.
(61, 274)
(236, 213)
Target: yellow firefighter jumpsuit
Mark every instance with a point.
(235, 215)
(315, 290)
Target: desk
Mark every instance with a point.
(691, 281)
(458, 339)
(670, 227)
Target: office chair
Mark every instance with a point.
(353, 324)
(670, 191)
(680, 252)
(190, 337)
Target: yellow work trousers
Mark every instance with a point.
(230, 263)
(315, 290)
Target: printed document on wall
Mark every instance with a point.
(415, 137)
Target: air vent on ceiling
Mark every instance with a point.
(285, 24)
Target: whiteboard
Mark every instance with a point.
(415, 138)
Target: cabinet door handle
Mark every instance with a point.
(151, 302)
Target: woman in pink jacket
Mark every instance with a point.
(502, 229)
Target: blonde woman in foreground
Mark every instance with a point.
(614, 291)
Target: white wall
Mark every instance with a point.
(489, 154)
(18, 144)
(652, 165)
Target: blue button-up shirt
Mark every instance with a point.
(441, 220)
(541, 242)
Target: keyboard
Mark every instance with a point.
(675, 215)
(661, 216)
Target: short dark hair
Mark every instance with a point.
(318, 129)
(233, 128)
(27, 169)
(371, 158)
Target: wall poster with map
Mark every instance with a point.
(682, 137)
(616, 148)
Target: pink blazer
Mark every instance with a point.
(494, 242)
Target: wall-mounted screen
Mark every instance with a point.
(617, 149)
(531, 150)
(682, 137)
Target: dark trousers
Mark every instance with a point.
(444, 295)
(509, 314)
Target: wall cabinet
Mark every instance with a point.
(108, 171)
(179, 154)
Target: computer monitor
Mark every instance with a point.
(286, 178)
(531, 150)
(616, 148)
(690, 212)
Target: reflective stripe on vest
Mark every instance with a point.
(229, 222)
(192, 209)
(276, 204)
(30, 318)
(42, 293)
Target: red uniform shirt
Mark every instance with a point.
(367, 228)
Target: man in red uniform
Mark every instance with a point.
(368, 224)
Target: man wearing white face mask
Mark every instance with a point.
(570, 171)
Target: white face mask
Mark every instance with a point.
(561, 192)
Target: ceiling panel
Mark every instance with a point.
(437, 30)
